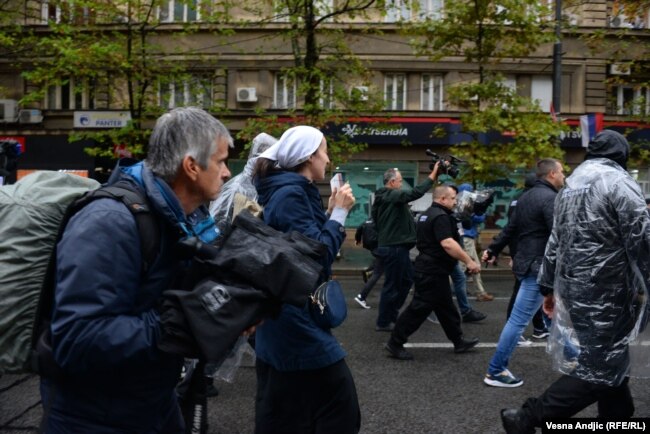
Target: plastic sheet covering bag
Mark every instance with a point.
(597, 260)
(241, 185)
(232, 287)
(466, 201)
(30, 211)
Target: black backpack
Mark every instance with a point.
(369, 235)
(40, 360)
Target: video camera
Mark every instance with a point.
(448, 163)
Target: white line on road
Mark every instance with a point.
(450, 345)
(489, 344)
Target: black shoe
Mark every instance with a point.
(473, 316)
(210, 390)
(514, 422)
(398, 352)
(388, 328)
(464, 345)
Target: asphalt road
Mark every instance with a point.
(438, 392)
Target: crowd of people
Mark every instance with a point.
(582, 253)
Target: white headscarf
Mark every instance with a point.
(294, 147)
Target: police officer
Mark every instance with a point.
(438, 242)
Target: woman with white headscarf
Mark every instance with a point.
(303, 382)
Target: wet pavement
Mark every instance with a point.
(438, 392)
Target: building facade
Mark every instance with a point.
(236, 68)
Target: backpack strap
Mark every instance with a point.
(150, 239)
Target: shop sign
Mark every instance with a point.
(101, 119)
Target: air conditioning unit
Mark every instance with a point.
(246, 94)
(8, 110)
(619, 69)
(30, 116)
(360, 92)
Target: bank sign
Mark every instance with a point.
(101, 119)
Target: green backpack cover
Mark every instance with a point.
(31, 211)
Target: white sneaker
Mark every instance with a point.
(523, 342)
(504, 379)
(361, 302)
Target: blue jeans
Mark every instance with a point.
(397, 282)
(460, 289)
(528, 301)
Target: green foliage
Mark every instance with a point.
(112, 51)
(485, 33)
(628, 48)
(324, 68)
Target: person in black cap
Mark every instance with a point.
(594, 278)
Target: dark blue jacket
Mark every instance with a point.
(531, 223)
(105, 325)
(293, 341)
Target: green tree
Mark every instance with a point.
(485, 33)
(323, 67)
(625, 44)
(114, 52)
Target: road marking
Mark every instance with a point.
(490, 345)
(450, 345)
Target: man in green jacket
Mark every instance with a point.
(396, 233)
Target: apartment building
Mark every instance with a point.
(238, 71)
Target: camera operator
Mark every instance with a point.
(470, 234)
(396, 237)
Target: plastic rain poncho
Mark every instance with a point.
(597, 262)
(222, 207)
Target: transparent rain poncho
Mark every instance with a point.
(242, 184)
(597, 260)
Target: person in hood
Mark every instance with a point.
(222, 208)
(105, 322)
(470, 234)
(396, 237)
(303, 382)
(594, 280)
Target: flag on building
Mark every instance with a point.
(590, 125)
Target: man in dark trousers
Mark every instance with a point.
(595, 280)
(438, 242)
(396, 230)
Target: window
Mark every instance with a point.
(431, 97)
(395, 91)
(620, 20)
(630, 100)
(397, 10)
(430, 9)
(72, 94)
(542, 89)
(195, 91)
(327, 94)
(179, 11)
(323, 7)
(66, 12)
(284, 92)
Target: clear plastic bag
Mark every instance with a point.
(240, 351)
